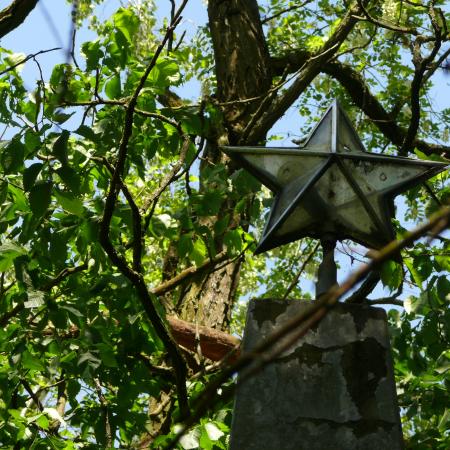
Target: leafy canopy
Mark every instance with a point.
(82, 366)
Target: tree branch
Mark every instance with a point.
(367, 286)
(362, 97)
(134, 274)
(104, 404)
(384, 24)
(302, 269)
(385, 301)
(420, 67)
(27, 58)
(14, 15)
(266, 19)
(20, 306)
(214, 344)
(307, 72)
(168, 285)
(33, 396)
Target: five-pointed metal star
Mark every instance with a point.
(331, 186)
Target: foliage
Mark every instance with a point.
(82, 363)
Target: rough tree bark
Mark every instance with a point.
(242, 64)
(13, 15)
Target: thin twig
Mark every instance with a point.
(264, 20)
(386, 301)
(382, 23)
(63, 274)
(27, 58)
(367, 286)
(21, 306)
(300, 272)
(33, 396)
(168, 285)
(104, 403)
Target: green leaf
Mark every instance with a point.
(42, 422)
(58, 249)
(443, 288)
(127, 22)
(233, 241)
(70, 203)
(190, 440)
(112, 87)
(61, 117)
(30, 174)
(8, 253)
(3, 191)
(418, 305)
(60, 147)
(185, 245)
(20, 201)
(15, 58)
(168, 72)
(221, 225)
(198, 252)
(31, 362)
(443, 262)
(70, 178)
(415, 274)
(12, 155)
(208, 204)
(91, 360)
(87, 132)
(214, 433)
(40, 197)
(58, 77)
(93, 54)
(107, 355)
(245, 183)
(391, 274)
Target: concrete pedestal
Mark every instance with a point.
(333, 390)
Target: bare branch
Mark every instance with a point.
(33, 396)
(306, 74)
(365, 289)
(300, 272)
(168, 285)
(420, 67)
(362, 97)
(104, 404)
(14, 15)
(63, 274)
(385, 301)
(266, 19)
(384, 24)
(27, 58)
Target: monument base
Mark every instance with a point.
(334, 389)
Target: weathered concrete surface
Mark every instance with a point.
(333, 390)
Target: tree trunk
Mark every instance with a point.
(243, 72)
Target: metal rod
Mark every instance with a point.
(327, 273)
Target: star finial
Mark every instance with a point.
(331, 186)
